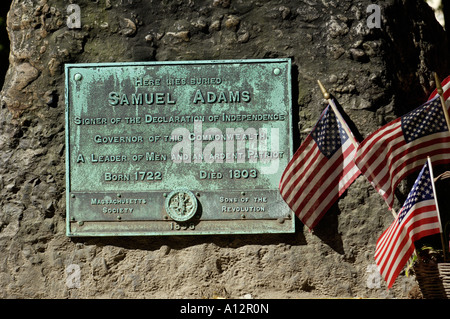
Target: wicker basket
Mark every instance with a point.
(444, 273)
(433, 279)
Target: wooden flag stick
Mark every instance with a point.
(394, 213)
(440, 91)
(327, 97)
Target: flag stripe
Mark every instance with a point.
(332, 196)
(397, 149)
(367, 147)
(425, 207)
(399, 169)
(322, 174)
(304, 180)
(293, 169)
(405, 160)
(330, 187)
(386, 158)
(303, 162)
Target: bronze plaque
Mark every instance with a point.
(171, 148)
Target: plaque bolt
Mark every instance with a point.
(119, 218)
(276, 71)
(72, 195)
(81, 223)
(165, 194)
(78, 77)
(119, 195)
(242, 193)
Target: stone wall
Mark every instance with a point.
(377, 74)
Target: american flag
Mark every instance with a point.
(320, 170)
(419, 217)
(401, 147)
(445, 87)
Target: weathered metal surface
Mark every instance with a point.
(169, 148)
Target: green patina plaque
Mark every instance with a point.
(172, 148)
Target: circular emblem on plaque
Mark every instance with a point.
(181, 205)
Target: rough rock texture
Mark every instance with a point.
(376, 74)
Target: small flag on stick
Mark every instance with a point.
(321, 169)
(419, 217)
(401, 147)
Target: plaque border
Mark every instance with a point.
(139, 228)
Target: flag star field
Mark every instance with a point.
(329, 134)
(421, 191)
(424, 121)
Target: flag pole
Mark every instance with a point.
(437, 208)
(440, 91)
(327, 97)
